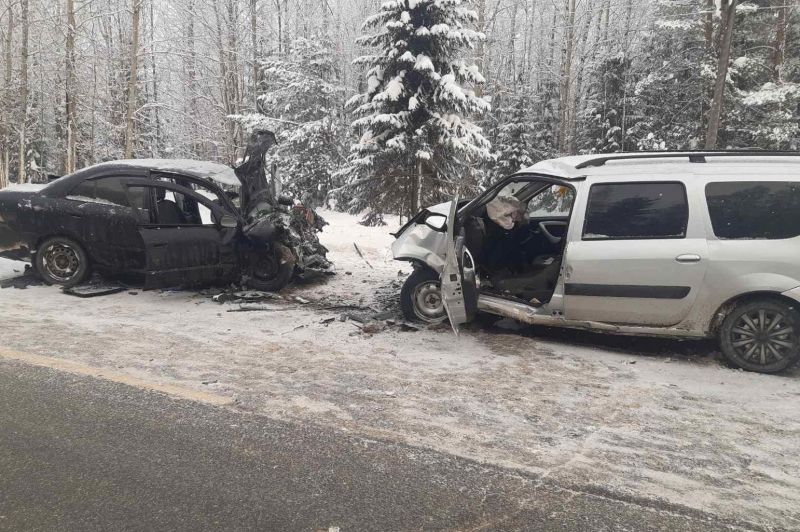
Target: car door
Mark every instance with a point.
(458, 281)
(106, 224)
(182, 249)
(637, 253)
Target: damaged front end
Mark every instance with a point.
(281, 233)
(295, 227)
(423, 240)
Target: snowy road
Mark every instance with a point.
(632, 418)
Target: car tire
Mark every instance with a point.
(62, 261)
(762, 335)
(271, 271)
(421, 297)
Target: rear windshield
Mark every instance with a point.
(766, 210)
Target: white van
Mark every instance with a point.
(680, 244)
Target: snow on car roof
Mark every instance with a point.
(205, 169)
(578, 166)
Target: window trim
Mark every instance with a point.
(607, 183)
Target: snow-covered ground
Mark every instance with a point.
(636, 417)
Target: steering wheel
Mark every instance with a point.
(543, 226)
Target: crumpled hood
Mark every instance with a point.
(419, 243)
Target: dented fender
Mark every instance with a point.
(261, 231)
(419, 243)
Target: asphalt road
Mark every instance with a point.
(79, 453)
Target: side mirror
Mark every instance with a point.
(228, 221)
(288, 201)
(437, 222)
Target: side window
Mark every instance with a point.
(84, 191)
(552, 202)
(754, 210)
(636, 211)
(204, 191)
(111, 190)
(140, 199)
(174, 208)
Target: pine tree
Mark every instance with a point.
(673, 77)
(764, 107)
(606, 106)
(519, 140)
(417, 142)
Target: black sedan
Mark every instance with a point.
(171, 222)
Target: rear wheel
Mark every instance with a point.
(61, 261)
(273, 270)
(762, 336)
(421, 297)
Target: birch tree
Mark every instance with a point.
(132, 78)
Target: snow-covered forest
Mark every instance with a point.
(383, 106)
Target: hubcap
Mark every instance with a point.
(428, 305)
(61, 262)
(763, 336)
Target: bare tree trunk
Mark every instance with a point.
(566, 78)
(280, 26)
(236, 87)
(480, 51)
(23, 93)
(715, 112)
(254, 45)
(5, 157)
(779, 44)
(132, 85)
(228, 71)
(70, 90)
(156, 149)
(708, 23)
(577, 96)
(191, 72)
(416, 181)
(92, 144)
(626, 53)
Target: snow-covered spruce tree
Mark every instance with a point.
(606, 106)
(518, 134)
(673, 76)
(417, 142)
(763, 106)
(300, 99)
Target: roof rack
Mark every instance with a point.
(693, 156)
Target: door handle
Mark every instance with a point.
(688, 258)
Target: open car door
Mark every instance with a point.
(458, 280)
(183, 248)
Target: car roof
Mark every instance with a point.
(217, 172)
(583, 166)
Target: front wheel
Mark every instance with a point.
(272, 270)
(762, 336)
(62, 261)
(421, 297)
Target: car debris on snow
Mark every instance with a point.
(93, 290)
